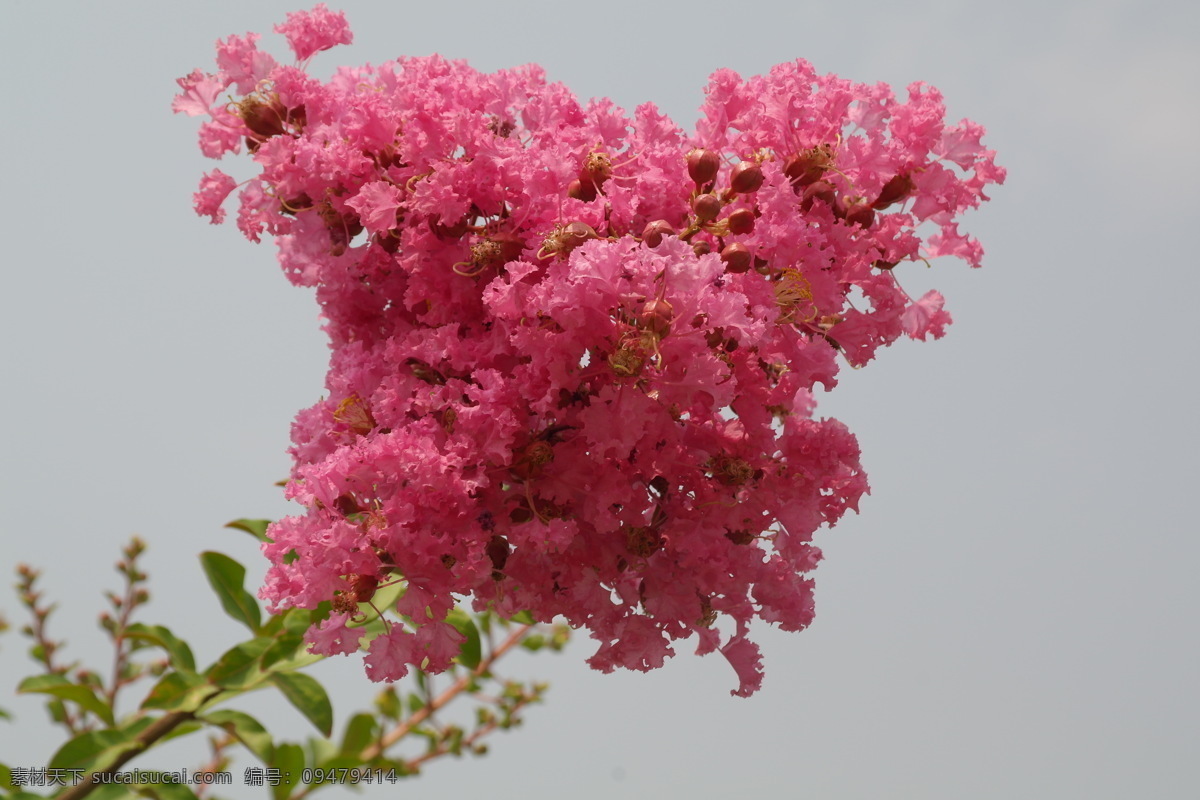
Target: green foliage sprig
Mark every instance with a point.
(185, 699)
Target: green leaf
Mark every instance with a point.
(299, 620)
(176, 691)
(388, 703)
(255, 527)
(239, 666)
(319, 750)
(289, 760)
(360, 732)
(471, 652)
(282, 648)
(94, 748)
(227, 578)
(523, 617)
(247, 729)
(308, 696)
(60, 687)
(533, 642)
(178, 651)
(5, 776)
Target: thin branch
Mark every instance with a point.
(406, 727)
(144, 741)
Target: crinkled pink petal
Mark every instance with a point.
(926, 317)
(376, 204)
(332, 636)
(243, 63)
(214, 188)
(746, 659)
(389, 655)
(200, 92)
(309, 32)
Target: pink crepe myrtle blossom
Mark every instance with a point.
(574, 352)
(310, 32)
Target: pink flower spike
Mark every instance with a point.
(215, 186)
(310, 32)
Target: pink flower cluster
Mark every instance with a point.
(574, 351)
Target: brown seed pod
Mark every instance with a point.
(741, 221)
(654, 232)
(264, 119)
(746, 177)
(576, 233)
(706, 207)
(855, 210)
(656, 317)
(895, 190)
(808, 166)
(580, 190)
(702, 166)
(737, 257)
(818, 190)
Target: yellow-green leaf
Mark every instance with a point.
(60, 687)
(178, 651)
(247, 729)
(227, 578)
(255, 527)
(309, 698)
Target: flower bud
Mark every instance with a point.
(808, 166)
(656, 317)
(576, 234)
(701, 248)
(706, 207)
(818, 190)
(895, 190)
(741, 221)
(855, 210)
(511, 246)
(737, 257)
(654, 232)
(580, 190)
(702, 165)
(263, 119)
(746, 177)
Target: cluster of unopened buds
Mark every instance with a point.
(573, 351)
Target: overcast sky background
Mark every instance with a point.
(1012, 615)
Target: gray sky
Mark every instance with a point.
(1012, 615)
